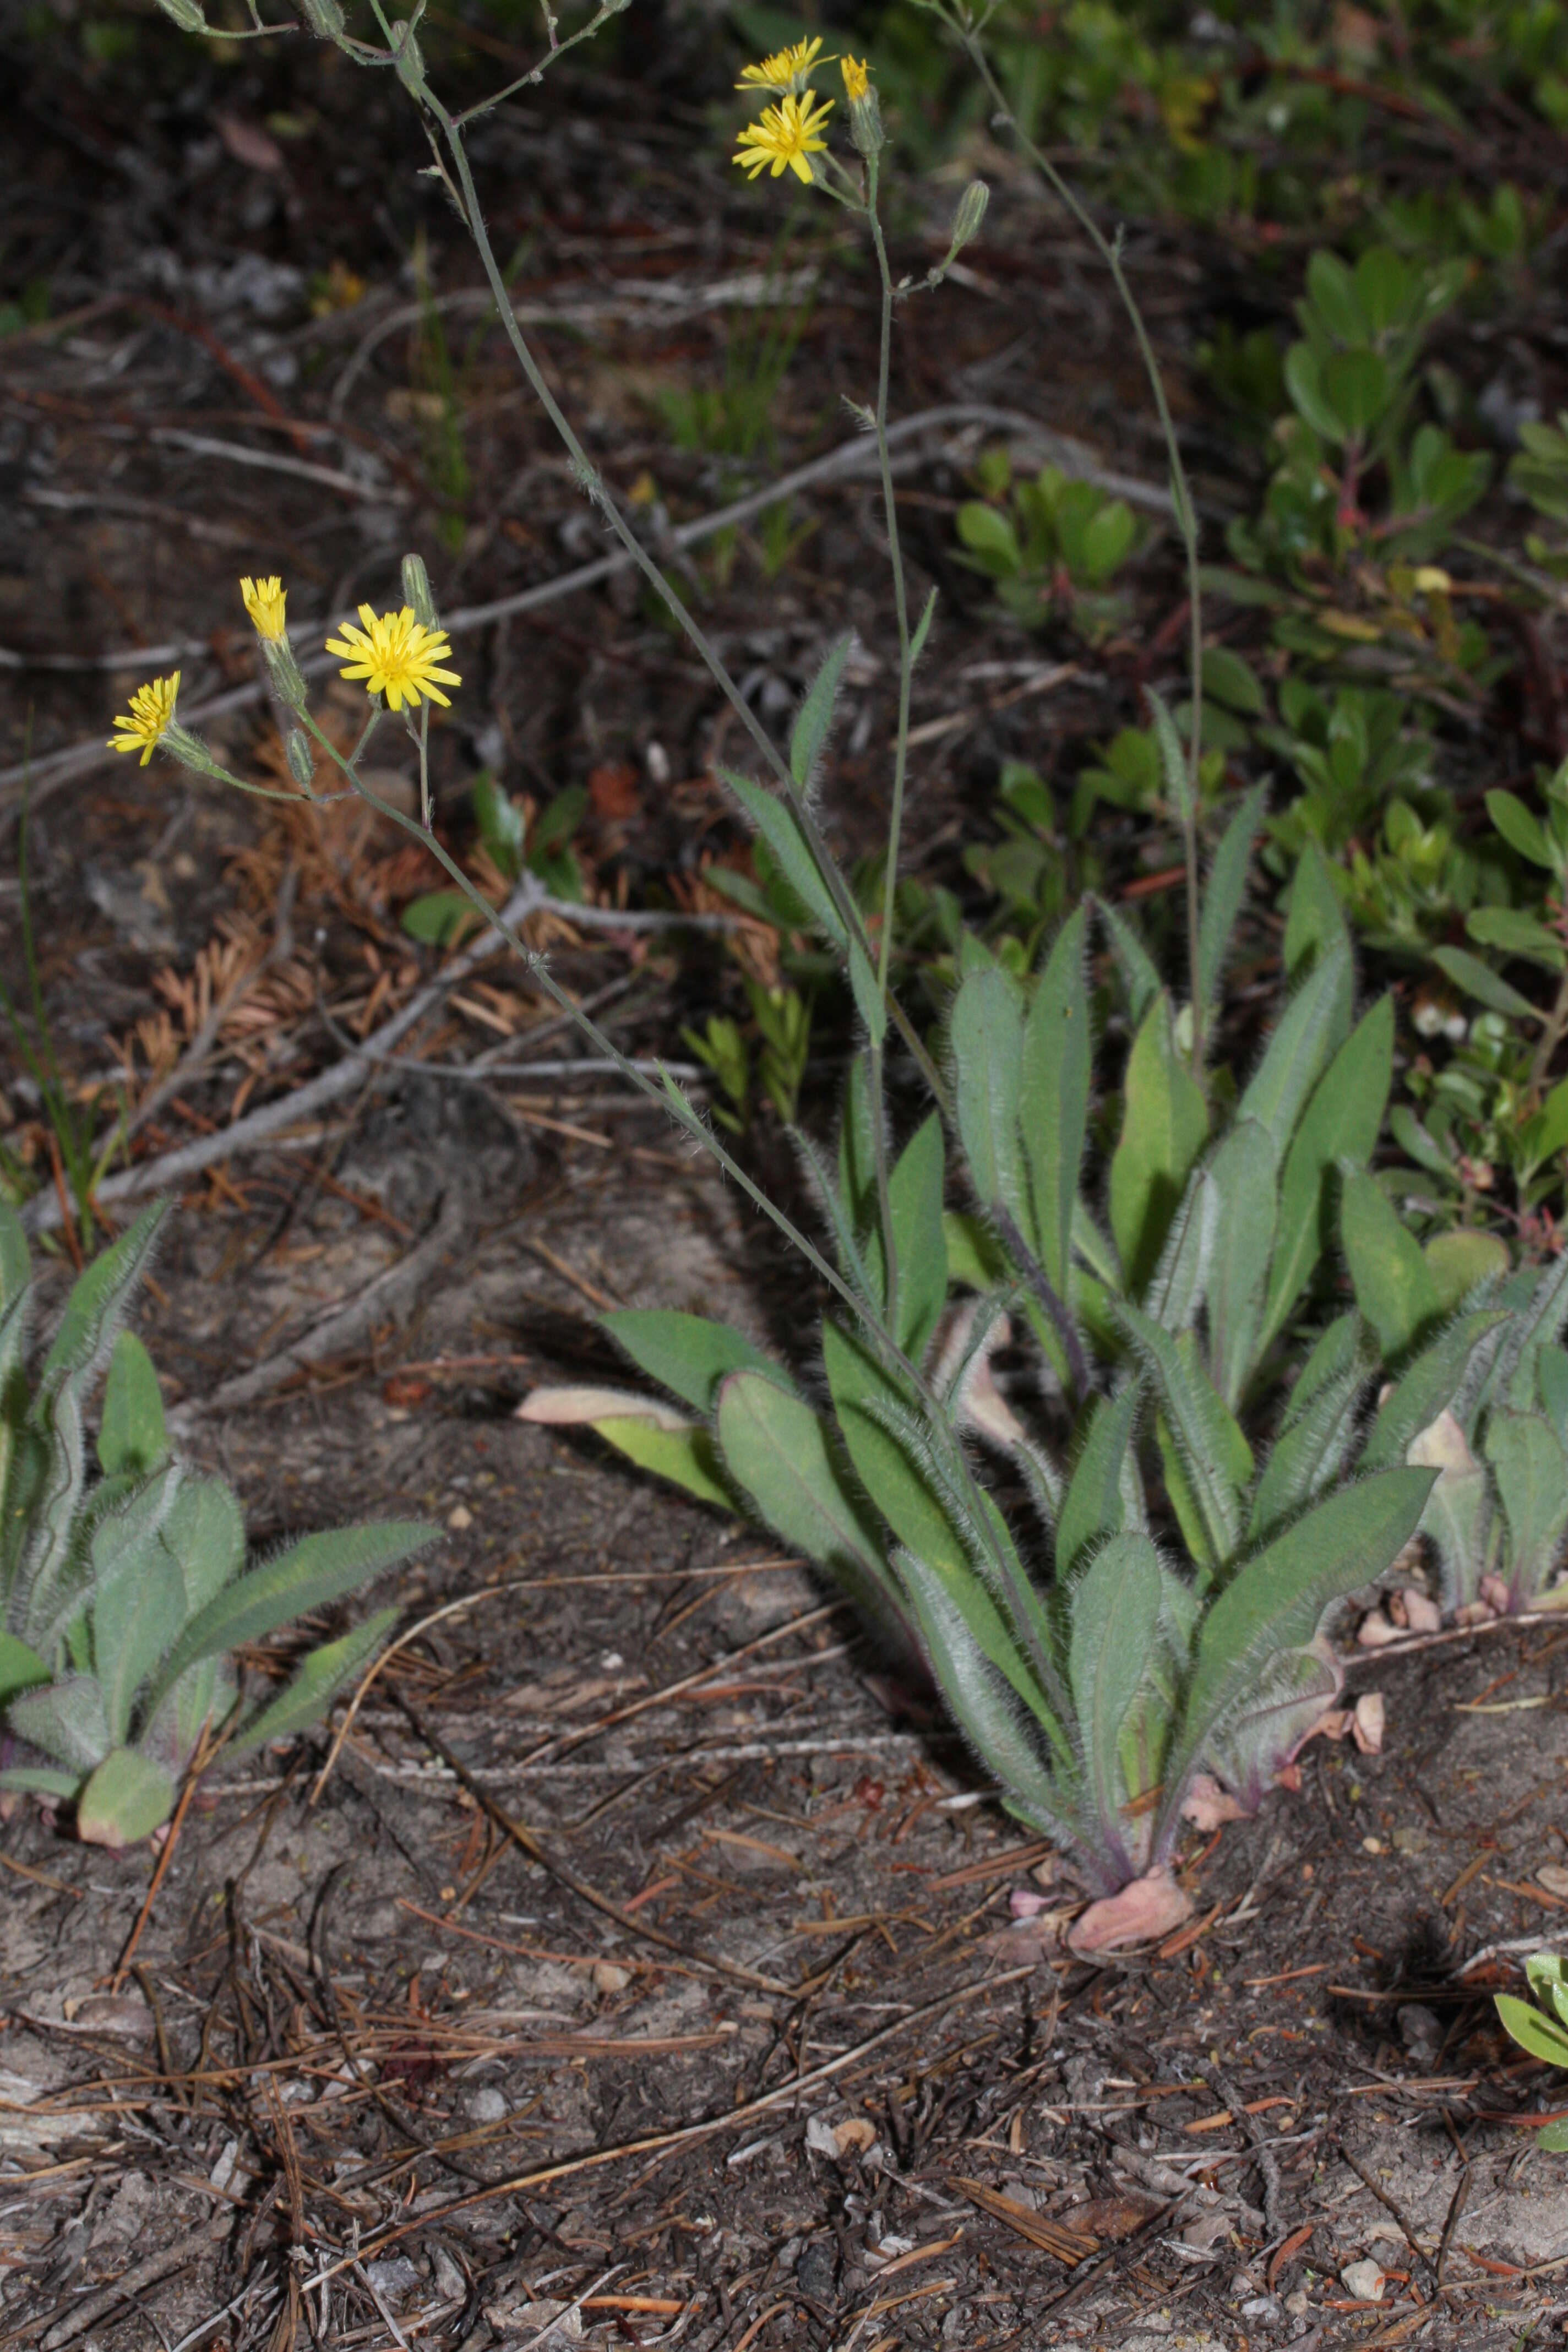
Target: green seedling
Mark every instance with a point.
(1541, 2026)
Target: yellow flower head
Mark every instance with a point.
(856, 80)
(264, 601)
(150, 714)
(396, 655)
(785, 135)
(787, 70)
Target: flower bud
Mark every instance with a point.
(191, 751)
(324, 17)
(966, 223)
(283, 672)
(186, 13)
(966, 220)
(864, 113)
(417, 591)
(300, 757)
(409, 56)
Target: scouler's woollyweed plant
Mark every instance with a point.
(1171, 1627)
(121, 1596)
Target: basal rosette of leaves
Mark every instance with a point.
(124, 1593)
(1157, 1614)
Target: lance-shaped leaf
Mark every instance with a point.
(21, 1668)
(1431, 1384)
(1537, 1326)
(781, 829)
(66, 1719)
(1175, 1294)
(1093, 1505)
(1214, 1456)
(324, 1672)
(1244, 1177)
(914, 1200)
(1054, 1100)
(1135, 966)
(138, 1605)
(905, 1488)
(1340, 1124)
(1164, 1127)
(127, 1797)
(16, 1259)
(1552, 1386)
(688, 1354)
(1309, 1451)
(319, 1570)
(1315, 928)
(864, 1117)
(1531, 1472)
(986, 1036)
(1226, 889)
(777, 1452)
(986, 1679)
(1542, 2036)
(1115, 1615)
(688, 1457)
(813, 720)
(1459, 1262)
(131, 1436)
(98, 1300)
(1276, 1601)
(1392, 1287)
(1295, 1055)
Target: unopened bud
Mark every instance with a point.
(324, 17)
(283, 672)
(191, 753)
(417, 591)
(186, 13)
(966, 223)
(409, 56)
(866, 131)
(300, 757)
(971, 212)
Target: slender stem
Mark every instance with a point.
(900, 593)
(1187, 513)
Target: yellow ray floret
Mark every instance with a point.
(264, 601)
(396, 655)
(856, 80)
(150, 714)
(786, 136)
(786, 70)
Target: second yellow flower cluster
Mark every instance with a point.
(394, 653)
(787, 136)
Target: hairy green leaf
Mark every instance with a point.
(1339, 1123)
(131, 1436)
(1093, 1505)
(1054, 1095)
(1115, 1606)
(686, 1457)
(1531, 1472)
(1164, 1125)
(1392, 1287)
(310, 1692)
(1226, 888)
(1432, 1383)
(687, 1354)
(986, 1034)
(321, 1569)
(815, 719)
(1244, 1178)
(778, 1453)
(127, 1797)
(1296, 1053)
